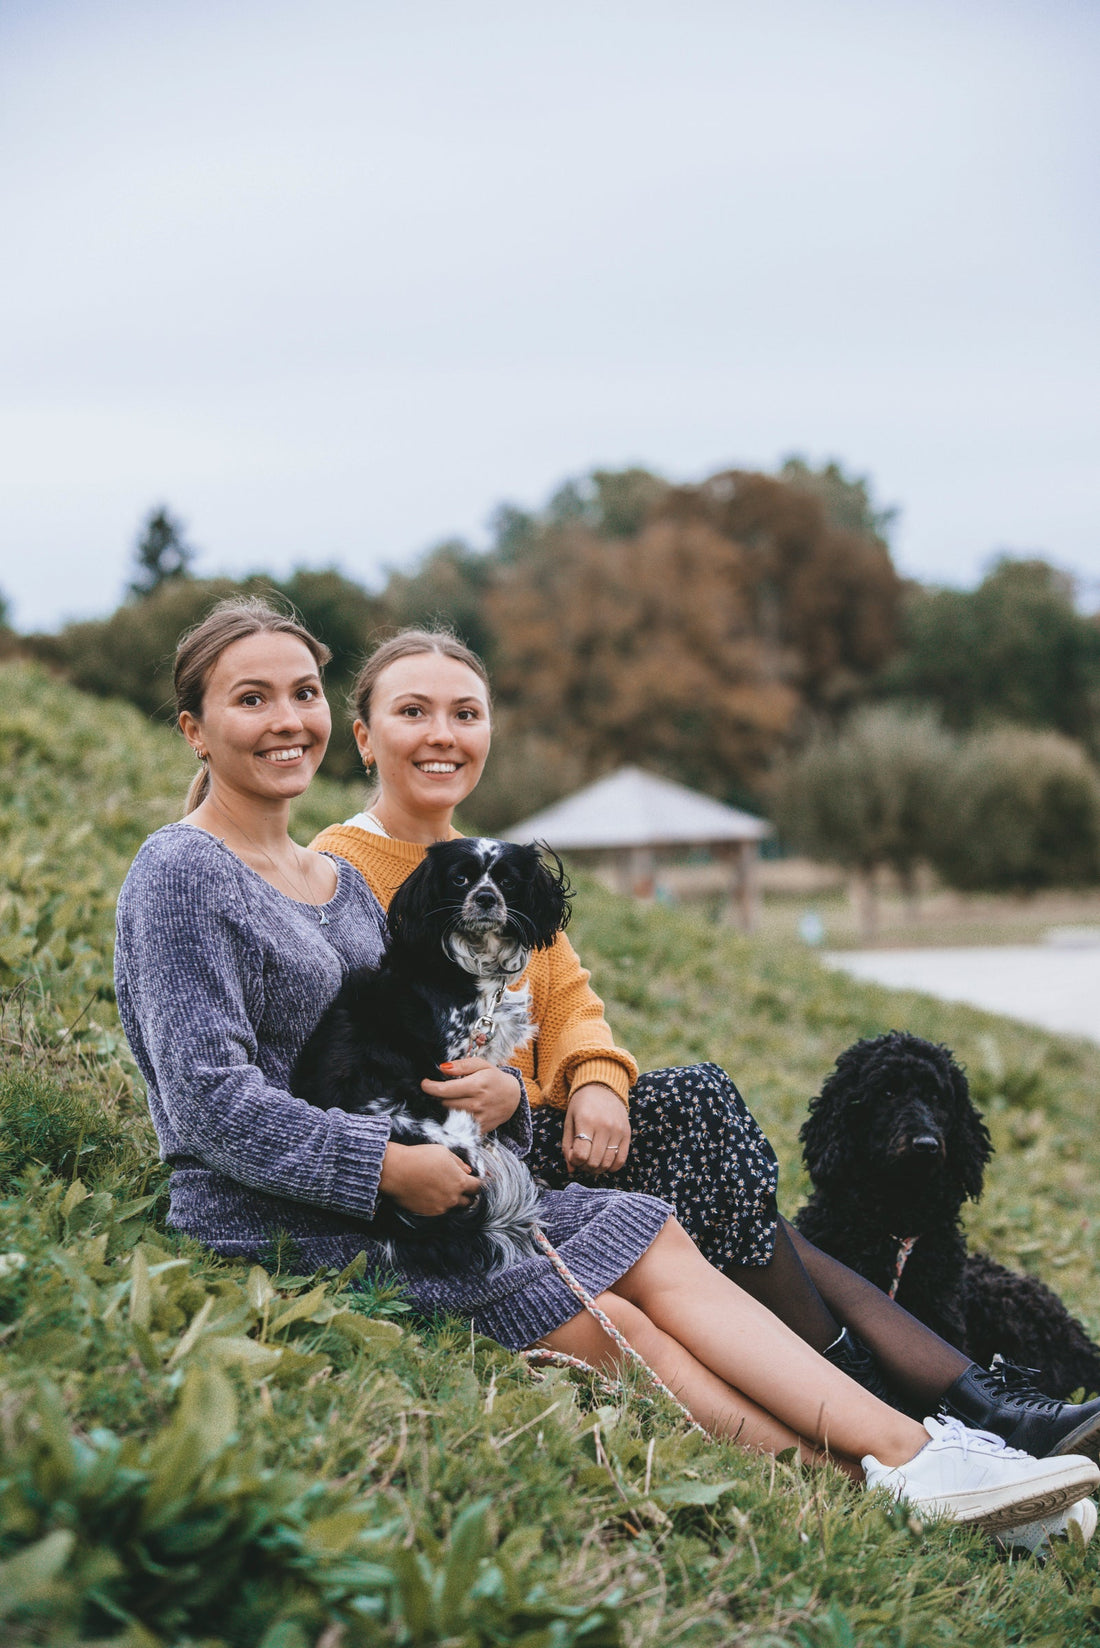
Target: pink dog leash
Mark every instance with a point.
(581, 1293)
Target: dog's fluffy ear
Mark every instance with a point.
(974, 1146)
(551, 900)
(412, 904)
(825, 1138)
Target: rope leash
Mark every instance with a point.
(580, 1292)
(906, 1244)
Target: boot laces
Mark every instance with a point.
(1019, 1383)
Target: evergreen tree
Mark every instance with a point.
(160, 554)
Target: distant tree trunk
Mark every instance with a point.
(864, 897)
(910, 892)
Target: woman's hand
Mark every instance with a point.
(490, 1095)
(427, 1178)
(596, 1134)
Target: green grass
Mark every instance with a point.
(198, 1452)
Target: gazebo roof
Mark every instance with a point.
(632, 808)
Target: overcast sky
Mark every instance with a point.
(333, 279)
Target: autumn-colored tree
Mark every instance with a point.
(825, 597)
(643, 649)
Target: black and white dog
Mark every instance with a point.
(462, 927)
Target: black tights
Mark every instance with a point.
(816, 1296)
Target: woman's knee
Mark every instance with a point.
(583, 1335)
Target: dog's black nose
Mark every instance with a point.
(485, 899)
(926, 1144)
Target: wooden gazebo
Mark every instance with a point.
(630, 821)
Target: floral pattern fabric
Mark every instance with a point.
(696, 1145)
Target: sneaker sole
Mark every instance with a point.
(1036, 1537)
(994, 1509)
(1084, 1440)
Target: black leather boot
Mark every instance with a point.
(852, 1357)
(1004, 1401)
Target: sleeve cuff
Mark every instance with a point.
(357, 1164)
(607, 1071)
(516, 1131)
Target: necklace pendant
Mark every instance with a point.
(324, 919)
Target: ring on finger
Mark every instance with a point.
(586, 1136)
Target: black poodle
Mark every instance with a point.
(894, 1147)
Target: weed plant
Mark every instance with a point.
(197, 1452)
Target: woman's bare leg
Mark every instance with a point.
(750, 1350)
(718, 1407)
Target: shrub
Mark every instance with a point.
(1024, 813)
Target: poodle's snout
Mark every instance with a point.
(916, 1137)
(927, 1144)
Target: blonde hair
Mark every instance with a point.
(199, 649)
(410, 643)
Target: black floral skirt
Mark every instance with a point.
(696, 1145)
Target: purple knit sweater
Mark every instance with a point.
(220, 979)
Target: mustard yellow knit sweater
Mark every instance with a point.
(573, 1043)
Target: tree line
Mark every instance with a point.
(748, 635)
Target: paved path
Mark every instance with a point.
(1057, 989)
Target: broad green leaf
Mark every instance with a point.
(75, 1194)
(194, 1332)
(229, 1350)
(27, 1575)
(140, 1292)
(260, 1288)
(300, 1310)
(692, 1493)
(366, 1329)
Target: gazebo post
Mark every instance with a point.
(748, 890)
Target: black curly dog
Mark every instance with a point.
(894, 1146)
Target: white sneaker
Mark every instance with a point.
(1035, 1536)
(972, 1477)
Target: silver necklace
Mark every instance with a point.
(322, 913)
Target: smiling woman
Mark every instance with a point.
(252, 707)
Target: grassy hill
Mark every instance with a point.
(195, 1452)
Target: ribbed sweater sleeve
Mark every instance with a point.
(190, 974)
(574, 1043)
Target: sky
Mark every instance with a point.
(334, 280)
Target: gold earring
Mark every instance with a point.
(368, 763)
(200, 755)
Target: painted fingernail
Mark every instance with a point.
(447, 1065)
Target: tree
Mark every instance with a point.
(846, 499)
(1014, 649)
(868, 797)
(160, 555)
(1023, 810)
(642, 649)
(825, 598)
(449, 588)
